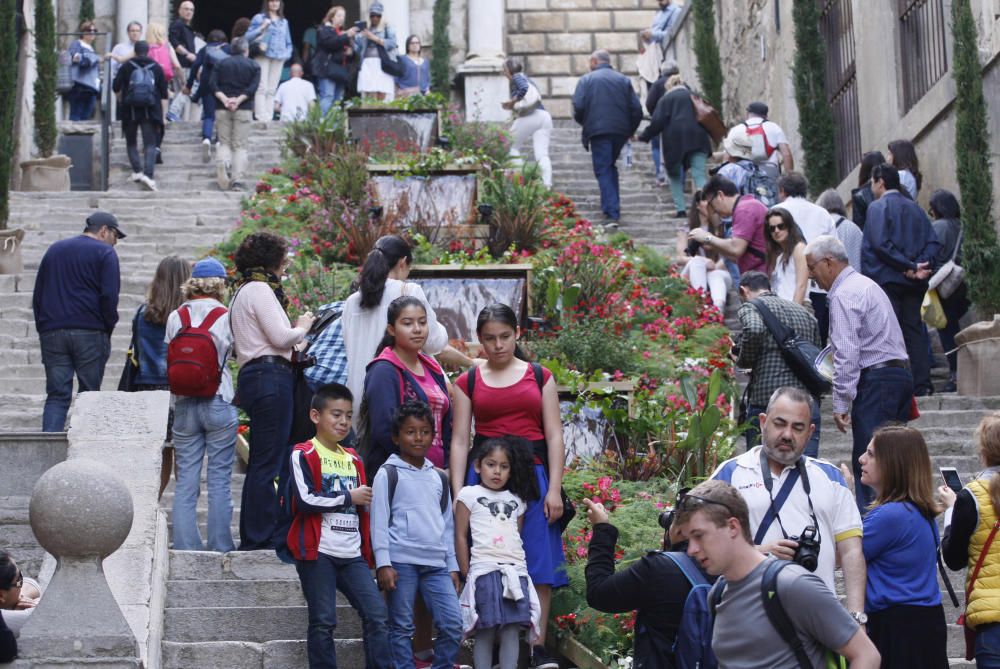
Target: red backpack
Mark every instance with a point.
(192, 360)
(762, 148)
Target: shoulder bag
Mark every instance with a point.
(708, 117)
(394, 68)
(800, 355)
(970, 633)
(530, 102)
(130, 373)
(950, 275)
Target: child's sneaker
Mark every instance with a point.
(206, 150)
(136, 176)
(541, 659)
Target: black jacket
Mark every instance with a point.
(123, 80)
(201, 71)
(680, 132)
(181, 34)
(653, 584)
(605, 103)
(656, 91)
(331, 60)
(235, 76)
(860, 199)
(8, 644)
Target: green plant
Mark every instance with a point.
(86, 10)
(313, 283)
(518, 202)
(815, 115)
(317, 134)
(706, 50)
(972, 157)
(489, 142)
(8, 98)
(433, 101)
(441, 47)
(46, 131)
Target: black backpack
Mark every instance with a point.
(759, 183)
(800, 355)
(215, 54)
(392, 474)
(142, 86)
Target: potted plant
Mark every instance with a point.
(10, 240)
(48, 172)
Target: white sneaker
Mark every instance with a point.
(147, 182)
(206, 150)
(136, 176)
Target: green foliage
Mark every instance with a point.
(518, 208)
(430, 102)
(815, 115)
(441, 48)
(8, 98)
(317, 134)
(86, 10)
(706, 51)
(591, 345)
(46, 130)
(972, 156)
(490, 142)
(313, 283)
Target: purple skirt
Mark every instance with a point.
(493, 609)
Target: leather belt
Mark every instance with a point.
(898, 364)
(274, 359)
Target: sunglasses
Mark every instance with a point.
(18, 582)
(688, 502)
(779, 226)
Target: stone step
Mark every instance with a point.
(230, 593)
(253, 624)
(288, 654)
(238, 565)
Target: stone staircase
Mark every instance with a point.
(186, 217)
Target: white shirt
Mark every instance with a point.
(775, 136)
(813, 220)
(836, 510)
(783, 278)
(493, 518)
(295, 96)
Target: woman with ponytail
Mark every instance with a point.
(382, 280)
(970, 540)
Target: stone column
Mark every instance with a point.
(127, 11)
(397, 15)
(80, 512)
(482, 73)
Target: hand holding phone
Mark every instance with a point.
(951, 478)
(361, 25)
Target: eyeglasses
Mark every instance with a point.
(688, 502)
(779, 226)
(18, 582)
(812, 266)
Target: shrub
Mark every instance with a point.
(518, 209)
(441, 48)
(706, 50)
(317, 134)
(8, 98)
(815, 115)
(46, 131)
(489, 142)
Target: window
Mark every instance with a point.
(923, 52)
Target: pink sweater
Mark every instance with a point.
(260, 325)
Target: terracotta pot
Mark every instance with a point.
(978, 349)
(46, 174)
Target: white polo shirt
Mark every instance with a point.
(295, 96)
(836, 510)
(775, 136)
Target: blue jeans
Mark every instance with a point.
(604, 152)
(82, 101)
(734, 269)
(204, 425)
(657, 157)
(883, 396)
(321, 579)
(65, 353)
(329, 91)
(822, 310)
(988, 646)
(265, 394)
(695, 162)
(208, 104)
(754, 410)
(438, 594)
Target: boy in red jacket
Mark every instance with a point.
(329, 536)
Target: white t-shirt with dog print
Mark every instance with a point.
(493, 519)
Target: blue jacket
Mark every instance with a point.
(86, 70)
(77, 286)
(388, 36)
(897, 236)
(419, 532)
(416, 76)
(279, 37)
(605, 103)
(152, 350)
(388, 384)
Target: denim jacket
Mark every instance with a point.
(87, 70)
(388, 36)
(278, 36)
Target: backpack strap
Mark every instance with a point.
(715, 595)
(392, 474)
(445, 489)
(687, 567)
(185, 315)
(776, 612)
(471, 380)
(539, 376)
(209, 320)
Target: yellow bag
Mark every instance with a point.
(931, 311)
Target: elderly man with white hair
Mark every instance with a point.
(872, 383)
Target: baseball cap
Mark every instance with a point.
(99, 219)
(376, 9)
(758, 108)
(208, 268)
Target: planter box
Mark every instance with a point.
(578, 654)
(416, 129)
(46, 174)
(441, 206)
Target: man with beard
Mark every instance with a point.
(790, 495)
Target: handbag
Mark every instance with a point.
(530, 102)
(800, 355)
(394, 68)
(258, 47)
(127, 383)
(709, 118)
(950, 275)
(970, 632)
(11, 261)
(931, 311)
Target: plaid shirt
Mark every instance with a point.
(330, 353)
(759, 350)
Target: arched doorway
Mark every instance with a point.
(301, 14)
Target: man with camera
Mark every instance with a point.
(753, 629)
(800, 507)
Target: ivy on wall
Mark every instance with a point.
(706, 51)
(8, 97)
(441, 49)
(45, 83)
(86, 10)
(815, 116)
(981, 254)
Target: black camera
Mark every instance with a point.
(666, 519)
(361, 25)
(807, 554)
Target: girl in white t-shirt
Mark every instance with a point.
(499, 597)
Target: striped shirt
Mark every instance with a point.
(864, 331)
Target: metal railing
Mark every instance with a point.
(837, 28)
(923, 53)
(106, 97)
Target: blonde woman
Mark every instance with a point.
(373, 81)
(161, 52)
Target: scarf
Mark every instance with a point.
(268, 277)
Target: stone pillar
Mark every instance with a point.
(485, 84)
(397, 15)
(127, 11)
(80, 512)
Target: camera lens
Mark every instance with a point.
(665, 519)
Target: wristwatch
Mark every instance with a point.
(860, 616)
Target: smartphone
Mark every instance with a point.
(361, 25)
(950, 476)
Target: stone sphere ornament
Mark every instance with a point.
(80, 509)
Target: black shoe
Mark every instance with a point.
(924, 392)
(681, 214)
(950, 387)
(542, 660)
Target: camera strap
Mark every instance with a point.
(777, 502)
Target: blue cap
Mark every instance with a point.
(208, 268)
